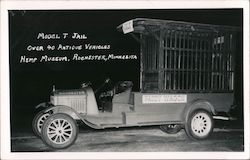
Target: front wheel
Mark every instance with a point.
(171, 128)
(199, 125)
(38, 121)
(59, 131)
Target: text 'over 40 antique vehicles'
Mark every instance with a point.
(186, 81)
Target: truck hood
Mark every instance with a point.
(69, 92)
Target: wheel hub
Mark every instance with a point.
(201, 124)
(60, 131)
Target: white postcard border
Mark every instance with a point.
(112, 4)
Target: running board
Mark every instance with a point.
(224, 118)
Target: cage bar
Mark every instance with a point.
(186, 57)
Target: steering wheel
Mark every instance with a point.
(106, 81)
(83, 85)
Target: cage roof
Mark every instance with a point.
(142, 25)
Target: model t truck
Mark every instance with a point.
(186, 81)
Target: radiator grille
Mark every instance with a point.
(77, 102)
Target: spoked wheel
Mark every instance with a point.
(38, 121)
(59, 131)
(200, 125)
(171, 128)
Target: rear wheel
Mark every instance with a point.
(199, 125)
(171, 128)
(59, 131)
(38, 121)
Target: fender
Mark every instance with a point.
(43, 105)
(72, 113)
(63, 109)
(197, 104)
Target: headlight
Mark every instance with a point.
(52, 100)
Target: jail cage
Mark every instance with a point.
(186, 57)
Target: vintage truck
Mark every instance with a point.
(186, 81)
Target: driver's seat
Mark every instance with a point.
(123, 97)
(123, 100)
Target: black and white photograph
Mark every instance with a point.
(126, 80)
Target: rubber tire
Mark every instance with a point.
(166, 129)
(46, 124)
(188, 129)
(34, 124)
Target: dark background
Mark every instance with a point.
(31, 84)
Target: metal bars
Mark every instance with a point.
(150, 62)
(187, 61)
